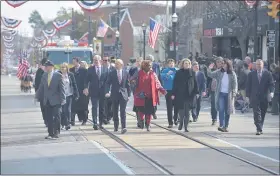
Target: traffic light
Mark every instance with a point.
(275, 9)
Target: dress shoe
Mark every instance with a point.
(67, 127)
(221, 129)
(48, 137)
(170, 126)
(124, 130)
(84, 123)
(95, 127)
(258, 133)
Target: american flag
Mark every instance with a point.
(84, 37)
(22, 68)
(154, 30)
(102, 29)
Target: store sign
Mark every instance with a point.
(270, 35)
(213, 32)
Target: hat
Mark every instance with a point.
(48, 63)
(43, 61)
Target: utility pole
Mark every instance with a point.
(174, 30)
(255, 30)
(118, 29)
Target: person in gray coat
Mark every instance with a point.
(52, 93)
(226, 90)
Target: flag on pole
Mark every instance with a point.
(154, 30)
(102, 29)
(22, 68)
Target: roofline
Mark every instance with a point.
(131, 3)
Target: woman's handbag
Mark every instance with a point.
(141, 95)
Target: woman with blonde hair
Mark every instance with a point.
(184, 91)
(83, 64)
(71, 92)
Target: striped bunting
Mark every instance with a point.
(90, 5)
(10, 23)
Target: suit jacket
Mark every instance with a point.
(258, 91)
(55, 93)
(80, 78)
(73, 85)
(117, 88)
(38, 77)
(242, 79)
(95, 84)
(201, 82)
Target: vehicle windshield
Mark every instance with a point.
(58, 57)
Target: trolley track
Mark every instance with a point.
(213, 147)
(132, 149)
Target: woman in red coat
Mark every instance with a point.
(146, 96)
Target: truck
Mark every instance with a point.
(65, 51)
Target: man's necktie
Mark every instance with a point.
(259, 77)
(119, 76)
(49, 79)
(98, 72)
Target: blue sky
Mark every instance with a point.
(47, 9)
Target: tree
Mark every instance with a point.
(35, 19)
(164, 40)
(238, 14)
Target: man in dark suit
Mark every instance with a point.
(52, 93)
(38, 77)
(259, 89)
(108, 101)
(242, 79)
(201, 84)
(95, 87)
(118, 89)
(79, 106)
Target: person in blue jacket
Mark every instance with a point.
(167, 76)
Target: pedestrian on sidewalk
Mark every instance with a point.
(133, 79)
(213, 87)
(184, 91)
(275, 99)
(37, 81)
(117, 87)
(71, 92)
(52, 93)
(226, 91)
(79, 106)
(95, 88)
(259, 90)
(242, 80)
(167, 77)
(146, 96)
(201, 84)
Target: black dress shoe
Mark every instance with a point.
(95, 127)
(170, 126)
(67, 127)
(221, 129)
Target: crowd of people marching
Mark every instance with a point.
(108, 85)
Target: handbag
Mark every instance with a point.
(141, 95)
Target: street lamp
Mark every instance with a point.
(144, 27)
(174, 22)
(117, 43)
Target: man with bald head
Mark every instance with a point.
(95, 88)
(259, 89)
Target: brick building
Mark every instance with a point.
(133, 15)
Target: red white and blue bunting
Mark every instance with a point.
(39, 39)
(10, 23)
(90, 5)
(16, 3)
(33, 44)
(8, 45)
(10, 50)
(61, 24)
(49, 32)
(11, 32)
(8, 38)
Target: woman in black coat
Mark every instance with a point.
(71, 92)
(184, 91)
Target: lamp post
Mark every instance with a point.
(117, 43)
(144, 27)
(174, 22)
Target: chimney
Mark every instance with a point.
(108, 2)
